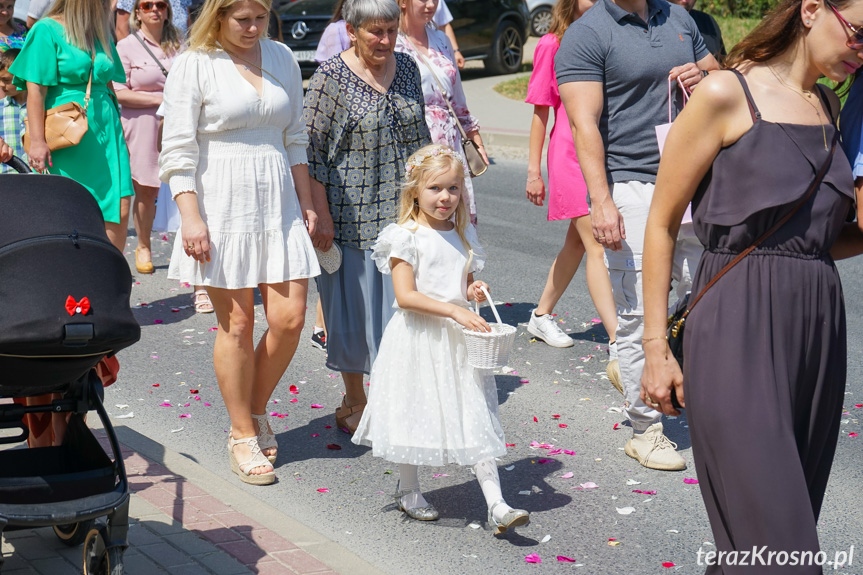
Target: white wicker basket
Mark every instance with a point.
(489, 350)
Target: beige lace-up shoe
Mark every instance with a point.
(655, 451)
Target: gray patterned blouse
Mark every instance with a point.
(359, 141)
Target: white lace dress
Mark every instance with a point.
(235, 149)
(427, 405)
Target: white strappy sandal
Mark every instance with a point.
(266, 437)
(256, 460)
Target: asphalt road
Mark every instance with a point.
(174, 357)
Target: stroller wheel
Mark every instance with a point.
(97, 559)
(74, 534)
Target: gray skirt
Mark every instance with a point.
(357, 302)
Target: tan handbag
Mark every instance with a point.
(65, 124)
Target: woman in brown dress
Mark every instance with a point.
(765, 348)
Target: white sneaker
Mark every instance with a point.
(655, 451)
(545, 328)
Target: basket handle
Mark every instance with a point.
(490, 303)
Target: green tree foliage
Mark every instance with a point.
(738, 8)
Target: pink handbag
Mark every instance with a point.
(662, 134)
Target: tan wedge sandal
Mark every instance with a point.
(256, 460)
(348, 418)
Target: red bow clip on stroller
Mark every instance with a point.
(64, 306)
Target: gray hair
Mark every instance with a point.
(358, 12)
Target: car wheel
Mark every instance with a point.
(540, 21)
(507, 50)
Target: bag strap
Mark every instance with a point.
(89, 82)
(150, 52)
(439, 85)
(685, 95)
(816, 182)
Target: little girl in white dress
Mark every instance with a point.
(427, 405)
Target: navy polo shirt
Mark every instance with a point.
(632, 59)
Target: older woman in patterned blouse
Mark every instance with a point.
(365, 116)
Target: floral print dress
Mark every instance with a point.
(440, 122)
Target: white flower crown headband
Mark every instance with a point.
(417, 160)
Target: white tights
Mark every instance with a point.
(486, 475)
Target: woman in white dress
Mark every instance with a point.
(434, 55)
(234, 154)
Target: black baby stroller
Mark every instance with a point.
(64, 306)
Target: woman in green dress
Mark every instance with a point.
(54, 66)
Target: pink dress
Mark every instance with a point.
(567, 192)
(440, 122)
(141, 125)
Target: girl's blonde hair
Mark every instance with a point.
(425, 163)
(86, 22)
(205, 31)
(170, 41)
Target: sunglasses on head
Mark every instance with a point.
(855, 42)
(150, 6)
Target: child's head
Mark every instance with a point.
(434, 187)
(6, 59)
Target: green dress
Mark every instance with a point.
(101, 161)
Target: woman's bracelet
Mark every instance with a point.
(647, 339)
(531, 180)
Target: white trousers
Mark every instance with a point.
(624, 268)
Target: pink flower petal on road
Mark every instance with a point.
(555, 452)
(587, 485)
(556, 416)
(193, 391)
(294, 390)
(316, 406)
(182, 415)
(208, 404)
(690, 481)
(440, 475)
(294, 400)
(567, 475)
(157, 321)
(544, 460)
(213, 329)
(562, 425)
(533, 558)
(668, 564)
(616, 426)
(535, 420)
(568, 452)
(852, 435)
(334, 446)
(565, 559)
(315, 435)
(596, 320)
(323, 490)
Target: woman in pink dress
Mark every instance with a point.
(147, 54)
(567, 192)
(433, 53)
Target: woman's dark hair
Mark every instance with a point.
(337, 12)
(776, 33)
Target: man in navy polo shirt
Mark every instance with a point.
(613, 68)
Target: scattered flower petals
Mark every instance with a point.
(129, 415)
(213, 329)
(565, 559)
(644, 492)
(613, 543)
(567, 475)
(334, 446)
(294, 400)
(555, 452)
(208, 404)
(546, 539)
(157, 321)
(193, 391)
(625, 510)
(509, 467)
(588, 485)
(633, 482)
(165, 404)
(510, 444)
(535, 420)
(568, 452)
(524, 381)
(294, 390)
(323, 490)
(690, 481)
(182, 415)
(315, 435)
(616, 426)
(562, 425)
(474, 526)
(179, 429)
(440, 475)
(544, 461)
(155, 385)
(668, 564)
(852, 435)
(316, 406)
(533, 558)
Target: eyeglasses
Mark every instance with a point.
(150, 6)
(855, 42)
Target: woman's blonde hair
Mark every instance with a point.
(170, 41)
(426, 163)
(205, 30)
(86, 22)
